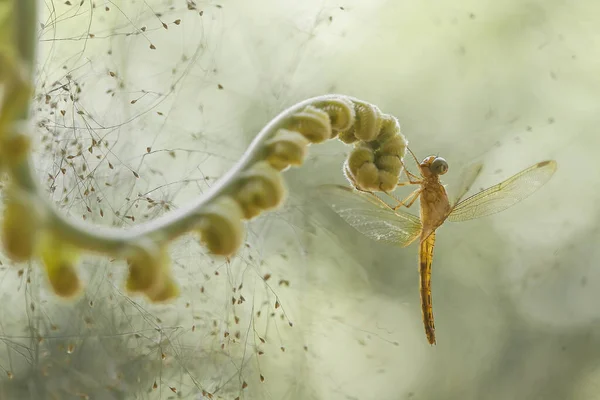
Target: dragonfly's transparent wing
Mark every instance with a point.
(505, 194)
(370, 217)
(467, 177)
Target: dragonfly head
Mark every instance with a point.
(433, 166)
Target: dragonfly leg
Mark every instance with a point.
(409, 181)
(411, 198)
(409, 175)
(406, 183)
(408, 201)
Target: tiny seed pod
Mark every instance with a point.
(20, 225)
(312, 123)
(221, 228)
(261, 189)
(368, 121)
(390, 164)
(387, 181)
(367, 177)
(348, 136)
(60, 261)
(286, 148)
(358, 157)
(341, 113)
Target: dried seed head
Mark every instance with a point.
(286, 148)
(312, 123)
(221, 227)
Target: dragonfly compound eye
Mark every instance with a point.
(439, 166)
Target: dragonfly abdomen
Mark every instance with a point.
(425, 262)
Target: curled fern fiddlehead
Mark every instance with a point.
(33, 228)
(379, 147)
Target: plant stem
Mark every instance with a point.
(26, 34)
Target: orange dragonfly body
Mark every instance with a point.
(379, 221)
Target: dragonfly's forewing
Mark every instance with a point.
(467, 177)
(370, 217)
(505, 194)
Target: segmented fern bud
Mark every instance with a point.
(14, 148)
(391, 141)
(21, 223)
(261, 189)
(389, 163)
(376, 164)
(150, 271)
(341, 114)
(313, 123)
(221, 228)
(367, 177)
(286, 148)
(16, 90)
(60, 261)
(358, 157)
(348, 136)
(168, 290)
(389, 168)
(368, 121)
(387, 181)
(146, 264)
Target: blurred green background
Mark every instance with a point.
(175, 90)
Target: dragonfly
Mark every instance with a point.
(379, 221)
